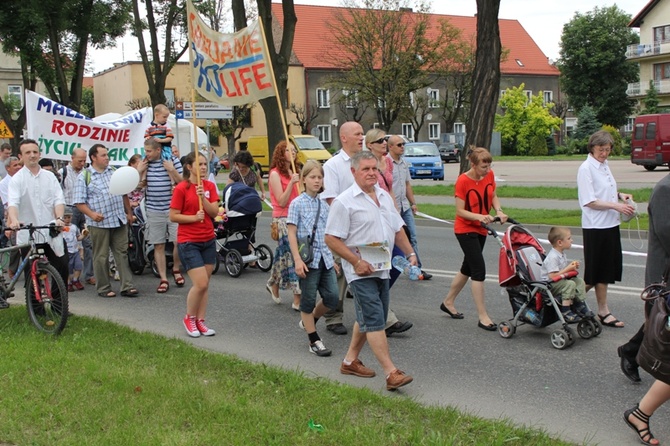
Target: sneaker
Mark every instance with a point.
(399, 327)
(70, 287)
(275, 298)
(397, 379)
(426, 275)
(570, 317)
(190, 326)
(203, 329)
(338, 329)
(77, 285)
(319, 349)
(357, 368)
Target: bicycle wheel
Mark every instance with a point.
(47, 299)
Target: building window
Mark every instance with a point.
(434, 131)
(661, 71)
(408, 131)
(529, 95)
(459, 127)
(433, 98)
(322, 98)
(375, 125)
(662, 34)
(350, 98)
(324, 133)
(630, 122)
(16, 91)
(547, 96)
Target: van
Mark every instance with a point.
(650, 143)
(309, 148)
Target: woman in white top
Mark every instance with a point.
(601, 204)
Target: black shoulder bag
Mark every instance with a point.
(654, 354)
(306, 244)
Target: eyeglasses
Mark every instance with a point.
(602, 149)
(400, 144)
(380, 140)
(292, 150)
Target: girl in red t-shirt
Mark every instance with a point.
(475, 192)
(193, 207)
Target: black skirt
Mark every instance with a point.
(603, 260)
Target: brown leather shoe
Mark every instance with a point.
(397, 379)
(91, 280)
(357, 368)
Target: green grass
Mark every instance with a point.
(546, 192)
(550, 217)
(103, 384)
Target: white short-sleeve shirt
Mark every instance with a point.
(596, 182)
(337, 176)
(356, 219)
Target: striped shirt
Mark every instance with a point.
(302, 213)
(96, 195)
(159, 185)
(159, 131)
(69, 183)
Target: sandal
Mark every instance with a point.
(130, 293)
(612, 323)
(163, 287)
(178, 278)
(107, 294)
(645, 434)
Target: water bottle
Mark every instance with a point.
(531, 316)
(402, 264)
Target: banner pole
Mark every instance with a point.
(196, 162)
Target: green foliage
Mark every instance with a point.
(12, 103)
(617, 149)
(523, 120)
(587, 124)
(651, 100)
(87, 103)
(538, 146)
(593, 65)
(578, 145)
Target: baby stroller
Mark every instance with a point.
(520, 262)
(140, 252)
(235, 236)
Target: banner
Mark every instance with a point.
(228, 69)
(59, 130)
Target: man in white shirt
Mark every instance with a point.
(365, 214)
(36, 197)
(5, 152)
(12, 165)
(337, 178)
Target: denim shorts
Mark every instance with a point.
(197, 254)
(325, 282)
(371, 301)
(75, 262)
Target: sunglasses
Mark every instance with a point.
(380, 140)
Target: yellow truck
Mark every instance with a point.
(309, 148)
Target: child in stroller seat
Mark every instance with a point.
(570, 287)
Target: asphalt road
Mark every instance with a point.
(578, 394)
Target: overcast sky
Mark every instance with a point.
(542, 19)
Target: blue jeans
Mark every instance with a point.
(408, 216)
(322, 280)
(197, 254)
(371, 301)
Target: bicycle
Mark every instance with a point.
(46, 293)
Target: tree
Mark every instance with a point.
(486, 78)
(593, 65)
(51, 39)
(303, 116)
(279, 58)
(651, 100)
(416, 111)
(523, 121)
(87, 102)
(232, 129)
(387, 51)
(587, 123)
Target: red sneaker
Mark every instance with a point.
(202, 328)
(190, 326)
(70, 288)
(78, 285)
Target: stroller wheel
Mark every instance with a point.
(560, 339)
(598, 327)
(264, 254)
(216, 264)
(586, 329)
(233, 263)
(506, 330)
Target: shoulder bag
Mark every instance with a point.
(306, 244)
(654, 354)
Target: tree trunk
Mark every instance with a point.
(486, 78)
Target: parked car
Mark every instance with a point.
(650, 142)
(450, 151)
(225, 164)
(424, 160)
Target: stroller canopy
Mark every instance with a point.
(240, 199)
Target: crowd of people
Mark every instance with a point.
(329, 221)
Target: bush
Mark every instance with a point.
(551, 145)
(578, 145)
(626, 149)
(617, 149)
(538, 146)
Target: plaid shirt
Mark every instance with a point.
(96, 195)
(302, 213)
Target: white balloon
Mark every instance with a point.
(124, 180)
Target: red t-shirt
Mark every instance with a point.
(478, 197)
(186, 200)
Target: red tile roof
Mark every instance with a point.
(311, 40)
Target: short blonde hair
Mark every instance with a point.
(161, 108)
(373, 135)
(558, 233)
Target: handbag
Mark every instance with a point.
(654, 354)
(306, 244)
(274, 231)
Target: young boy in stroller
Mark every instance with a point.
(569, 287)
